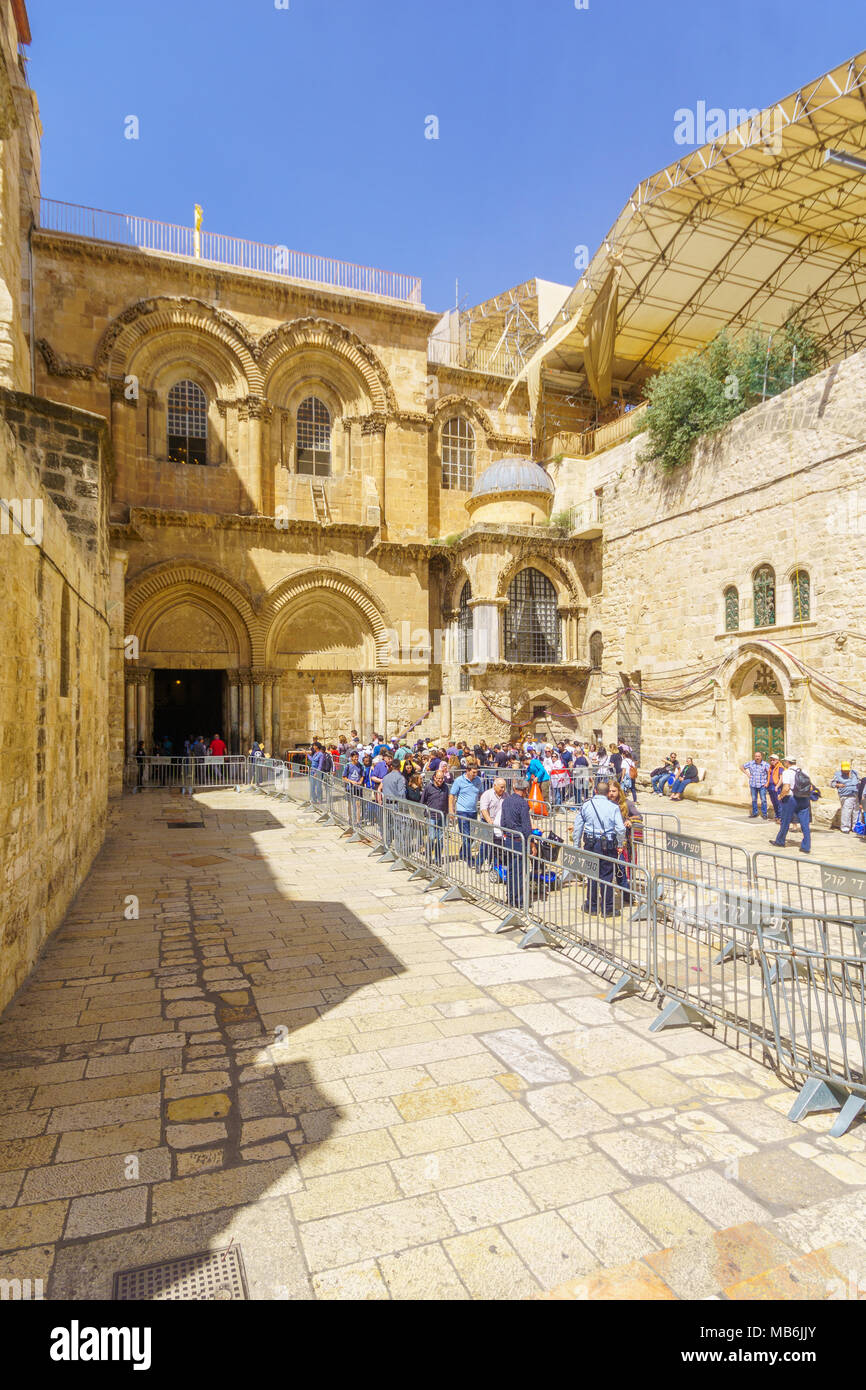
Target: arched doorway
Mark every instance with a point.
(759, 711)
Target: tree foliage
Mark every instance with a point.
(703, 391)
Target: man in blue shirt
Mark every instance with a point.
(463, 802)
(317, 789)
(758, 774)
(600, 829)
(515, 823)
(353, 778)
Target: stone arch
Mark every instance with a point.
(448, 406)
(744, 704)
(458, 576)
(349, 590)
(152, 595)
(322, 336)
(166, 314)
(567, 590)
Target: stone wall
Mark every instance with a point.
(781, 486)
(54, 667)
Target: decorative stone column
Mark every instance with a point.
(131, 725)
(233, 731)
(381, 683)
(374, 428)
(275, 724)
(367, 699)
(485, 630)
(139, 708)
(260, 678)
(245, 679)
(357, 692)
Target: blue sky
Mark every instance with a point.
(305, 126)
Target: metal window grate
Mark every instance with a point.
(314, 437)
(800, 594)
(531, 619)
(458, 454)
(732, 610)
(187, 423)
(210, 1276)
(764, 592)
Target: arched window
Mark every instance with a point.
(531, 619)
(314, 437)
(764, 593)
(187, 423)
(732, 610)
(800, 595)
(458, 454)
(596, 651)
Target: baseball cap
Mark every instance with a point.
(846, 767)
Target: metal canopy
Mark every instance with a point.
(741, 231)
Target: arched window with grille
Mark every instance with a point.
(458, 454)
(732, 609)
(764, 594)
(531, 619)
(800, 593)
(314, 438)
(187, 423)
(596, 651)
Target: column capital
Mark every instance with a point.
(264, 675)
(138, 675)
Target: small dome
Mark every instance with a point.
(513, 475)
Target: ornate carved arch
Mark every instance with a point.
(751, 652)
(447, 406)
(150, 316)
(334, 338)
(146, 592)
(306, 581)
(566, 589)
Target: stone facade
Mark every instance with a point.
(781, 487)
(54, 710)
(319, 604)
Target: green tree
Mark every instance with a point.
(703, 391)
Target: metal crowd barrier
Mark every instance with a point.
(719, 937)
(817, 998)
(597, 903)
(158, 773)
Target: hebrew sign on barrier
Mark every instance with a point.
(683, 844)
(849, 883)
(580, 861)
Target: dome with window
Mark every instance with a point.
(512, 490)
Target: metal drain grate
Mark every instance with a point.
(212, 1275)
(185, 824)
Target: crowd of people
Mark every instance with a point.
(534, 777)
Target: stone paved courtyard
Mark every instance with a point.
(295, 1049)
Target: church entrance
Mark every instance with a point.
(187, 703)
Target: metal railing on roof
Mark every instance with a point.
(171, 240)
(445, 353)
(597, 440)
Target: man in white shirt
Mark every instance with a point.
(793, 807)
(490, 810)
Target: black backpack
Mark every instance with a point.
(327, 763)
(802, 783)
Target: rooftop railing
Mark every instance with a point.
(444, 353)
(146, 234)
